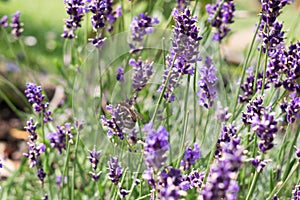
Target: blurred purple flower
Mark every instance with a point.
(140, 26)
(221, 19)
(298, 154)
(226, 135)
(94, 157)
(16, 25)
(190, 157)
(156, 146)
(193, 180)
(41, 174)
(207, 92)
(115, 170)
(4, 22)
(182, 4)
(142, 72)
(123, 193)
(37, 99)
(120, 74)
(296, 192)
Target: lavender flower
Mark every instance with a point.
(94, 157)
(120, 74)
(190, 157)
(170, 184)
(265, 128)
(1, 164)
(248, 87)
(58, 139)
(296, 193)
(75, 9)
(193, 180)
(207, 92)
(37, 99)
(16, 25)
(123, 193)
(115, 171)
(270, 30)
(35, 149)
(102, 13)
(221, 19)
(142, 72)
(182, 4)
(183, 52)
(291, 108)
(41, 174)
(4, 22)
(112, 124)
(226, 135)
(259, 164)
(156, 146)
(140, 26)
(254, 108)
(298, 154)
(220, 183)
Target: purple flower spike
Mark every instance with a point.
(182, 4)
(94, 157)
(221, 19)
(207, 92)
(115, 170)
(4, 22)
(184, 52)
(16, 25)
(37, 99)
(140, 26)
(120, 74)
(142, 72)
(156, 146)
(190, 157)
(292, 108)
(76, 10)
(58, 139)
(296, 193)
(41, 174)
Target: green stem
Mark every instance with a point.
(253, 184)
(74, 169)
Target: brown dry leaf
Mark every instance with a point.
(18, 134)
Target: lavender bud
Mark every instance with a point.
(190, 157)
(16, 25)
(94, 157)
(115, 170)
(4, 22)
(142, 72)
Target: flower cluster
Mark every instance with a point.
(120, 74)
(183, 53)
(140, 26)
(16, 25)
(220, 15)
(142, 72)
(170, 184)
(193, 180)
(4, 22)
(248, 86)
(115, 170)
(76, 10)
(226, 135)
(265, 128)
(102, 13)
(190, 157)
(296, 193)
(156, 146)
(113, 123)
(207, 92)
(270, 30)
(58, 139)
(254, 108)
(35, 150)
(37, 99)
(94, 157)
(291, 108)
(220, 183)
(258, 163)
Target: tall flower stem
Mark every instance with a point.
(74, 168)
(244, 71)
(252, 186)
